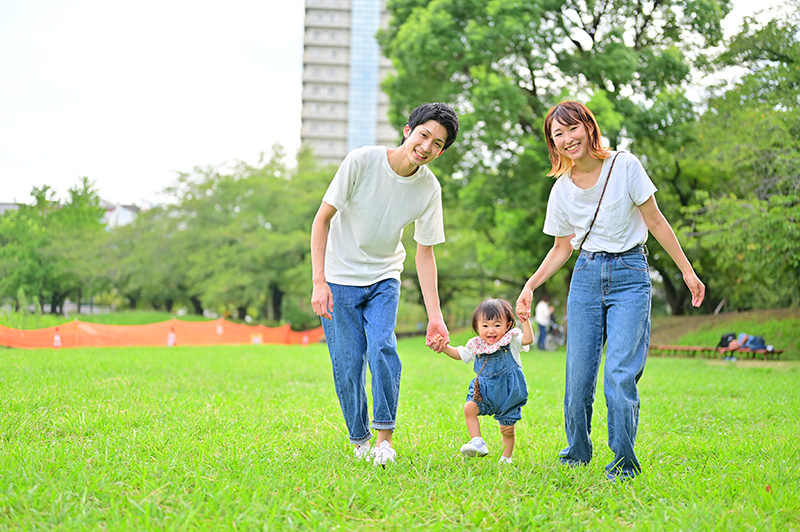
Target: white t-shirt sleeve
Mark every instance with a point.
(640, 186)
(517, 348)
(556, 222)
(429, 228)
(467, 356)
(343, 182)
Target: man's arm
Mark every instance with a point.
(321, 297)
(429, 284)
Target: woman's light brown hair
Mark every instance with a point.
(570, 113)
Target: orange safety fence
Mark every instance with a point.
(167, 333)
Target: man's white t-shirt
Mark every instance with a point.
(373, 205)
(619, 225)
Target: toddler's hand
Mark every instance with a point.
(437, 343)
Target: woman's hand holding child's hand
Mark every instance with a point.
(523, 312)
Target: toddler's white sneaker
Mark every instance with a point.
(505, 460)
(475, 447)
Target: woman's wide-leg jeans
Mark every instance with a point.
(360, 333)
(609, 300)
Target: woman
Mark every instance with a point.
(602, 203)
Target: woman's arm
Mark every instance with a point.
(555, 259)
(659, 227)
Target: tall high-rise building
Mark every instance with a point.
(343, 105)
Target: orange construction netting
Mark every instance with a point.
(167, 333)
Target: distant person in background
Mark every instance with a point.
(541, 315)
(357, 257)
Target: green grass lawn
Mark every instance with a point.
(251, 438)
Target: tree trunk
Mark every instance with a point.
(197, 305)
(277, 302)
(676, 297)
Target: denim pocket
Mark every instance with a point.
(581, 262)
(635, 261)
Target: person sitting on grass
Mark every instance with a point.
(499, 388)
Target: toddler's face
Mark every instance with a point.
(491, 331)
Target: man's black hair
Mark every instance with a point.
(440, 112)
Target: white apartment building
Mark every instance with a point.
(343, 106)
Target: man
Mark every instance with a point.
(357, 257)
(541, 316)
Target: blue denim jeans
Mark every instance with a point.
(361, 333)
(609, 301)
(542, 337)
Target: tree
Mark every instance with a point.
(503, 63)
(235, 241)
(748, 141)
(76, 239)
(23, 235)
(50, 250)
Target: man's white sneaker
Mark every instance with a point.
(383, 454)
(505, 460)
(475, 447)
(361, 451)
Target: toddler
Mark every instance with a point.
(499, 386)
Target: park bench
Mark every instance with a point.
(712, 352)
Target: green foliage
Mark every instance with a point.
(235, 241)
(225, 438)
(746, 218)
(50, 250)
(756, 249)
(503, 64)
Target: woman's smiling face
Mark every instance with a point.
(571, 140)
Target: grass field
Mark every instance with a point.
(251, 438)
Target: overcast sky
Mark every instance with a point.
(130, 93)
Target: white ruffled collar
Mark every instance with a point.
(479, 347)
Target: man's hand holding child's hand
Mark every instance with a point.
(437, 343)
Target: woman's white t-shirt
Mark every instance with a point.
(619, 225)
(373, 205)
